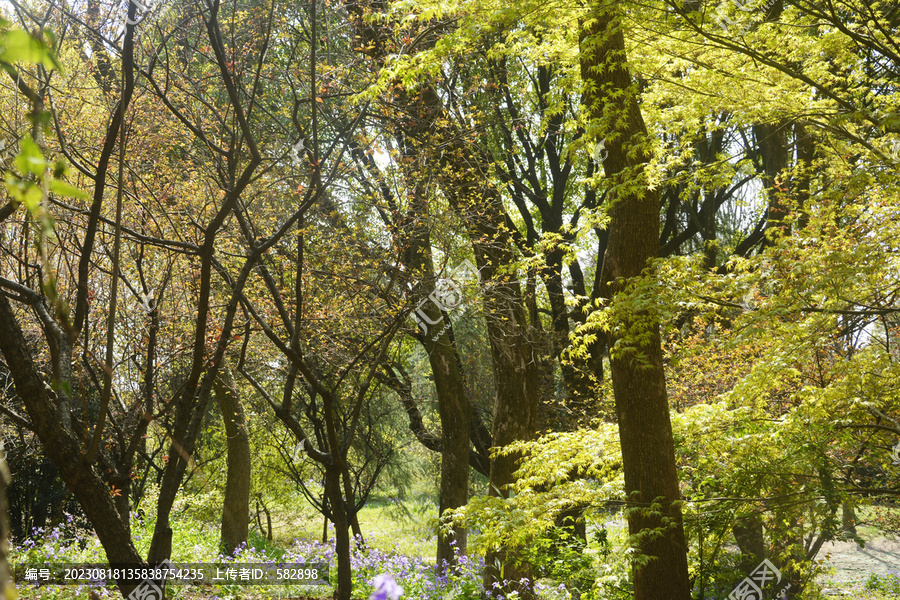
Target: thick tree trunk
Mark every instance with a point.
(454, 406)
(455, 414)
(236, 504)
(636, 367)
(748, 532)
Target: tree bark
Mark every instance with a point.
(772, 143)
(748, 533)
(636, 367)
(848, 517)
(344, 583)
(236, 504)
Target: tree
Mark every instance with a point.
(427, 127)
(236, 504)
(636, 361)
(110, 431)
(49, 409)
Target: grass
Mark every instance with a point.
(406, 527)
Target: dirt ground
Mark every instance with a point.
(853, 564)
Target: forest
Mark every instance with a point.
(450, 299)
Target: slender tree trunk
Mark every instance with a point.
(581, 375)
(187, 423)
(350, 506)
(344, 582)
(236, 504)
(639, 385)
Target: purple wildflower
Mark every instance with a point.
(385, 587)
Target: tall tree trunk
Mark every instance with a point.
(454, 405)
(187, 424)
(638, 379)
(236, 504)
(350, 506)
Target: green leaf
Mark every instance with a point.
(19, 46)
(32, 197)
(61, 188)
(30, 159)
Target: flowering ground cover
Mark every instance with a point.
(415, 577)
(384, 567)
